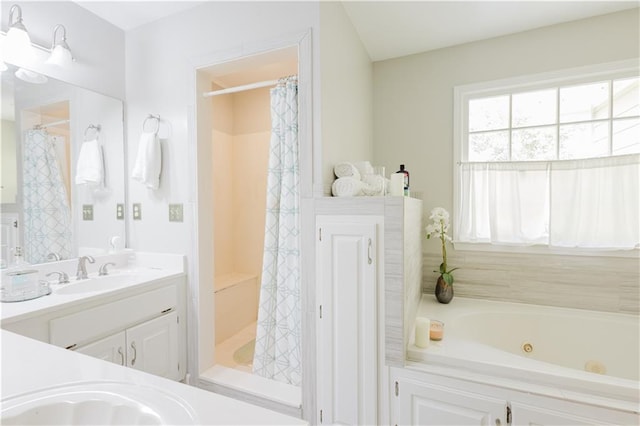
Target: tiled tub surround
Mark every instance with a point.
(600, 283)
(487, 338)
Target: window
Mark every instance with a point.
(550, 160)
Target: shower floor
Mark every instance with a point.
(237, 351)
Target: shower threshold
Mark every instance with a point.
(254, 389)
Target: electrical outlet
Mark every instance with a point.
(137, 211)
(175, 213)
(119, 211)
(87, 212)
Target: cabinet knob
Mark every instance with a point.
(370, 259)
(121, 355)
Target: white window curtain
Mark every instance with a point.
(591, 203)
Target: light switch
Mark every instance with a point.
(175, 213)
(137, 211)
(119, 211)
(87, 212)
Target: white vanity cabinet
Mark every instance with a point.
(347, 296)
(431, 399)
(151, 347)
(141, 325)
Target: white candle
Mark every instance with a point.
(423, 326)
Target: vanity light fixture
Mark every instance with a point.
(60, 52)
(18, 43)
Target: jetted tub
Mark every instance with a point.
(597, 353)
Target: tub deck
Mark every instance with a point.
(474, 342)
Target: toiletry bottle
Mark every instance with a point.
(406, 179)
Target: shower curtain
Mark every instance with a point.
(47, 217)
(277, 350)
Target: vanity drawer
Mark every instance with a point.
(90, 324)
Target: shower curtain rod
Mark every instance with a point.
(240, 88)
(54, 123)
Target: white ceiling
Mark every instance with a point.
(390, 29)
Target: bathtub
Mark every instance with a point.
(236, 303)
(565, 350)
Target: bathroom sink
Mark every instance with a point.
(104, 403)
(98, 283)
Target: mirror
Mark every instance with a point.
(63, 179)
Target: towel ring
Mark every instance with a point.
(152, 117)
(91, 126)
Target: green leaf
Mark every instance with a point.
(451, 270)
(442, 271)
(448, 278)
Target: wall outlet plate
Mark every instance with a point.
(87, 212)
(176, 213)
(120, 211)
(137, 211)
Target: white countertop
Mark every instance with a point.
(139, 270)
(29, 365)
(60, 297)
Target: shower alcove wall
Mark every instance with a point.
(240, 138)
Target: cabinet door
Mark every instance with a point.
(347, 345)
(422, 404)
(110, 349)
(153, 346)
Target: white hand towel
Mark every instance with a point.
(346, 187)
(343, 170)
(90, 167)
(148, 163)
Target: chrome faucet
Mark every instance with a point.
(81, 274)
(54, 256)
(103, 268)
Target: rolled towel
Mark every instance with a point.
(347, 187)
(373, 185)
(90, 166)
(364, 167)
(343, 170)
(148, 163)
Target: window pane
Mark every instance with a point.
(534, 108)
(585, 140)
(626, 136)
(490, 146)
(626, 97)
(585, 102)
(489, 113)
(534, 144)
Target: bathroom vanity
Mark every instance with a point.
(135, 316)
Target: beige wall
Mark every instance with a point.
(346, 97)
(242, 130)
(413, 124)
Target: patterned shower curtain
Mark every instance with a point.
(47, 217)
(277, 350)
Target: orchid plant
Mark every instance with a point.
(438, 228)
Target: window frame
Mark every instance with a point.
(462, 94)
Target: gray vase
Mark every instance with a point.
(444, 291)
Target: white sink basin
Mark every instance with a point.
(97, 403)
(94, 284)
